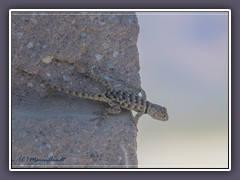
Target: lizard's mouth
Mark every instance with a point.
(165, 118)
(161, 118)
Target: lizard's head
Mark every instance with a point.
(157, 112)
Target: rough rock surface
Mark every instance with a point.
(54, 130)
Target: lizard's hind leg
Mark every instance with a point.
(89, 73)
(112, 109)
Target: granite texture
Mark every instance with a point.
(54, 130)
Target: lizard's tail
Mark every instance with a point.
(99, 97)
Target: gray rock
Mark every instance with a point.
(30, 45)
(52, 129)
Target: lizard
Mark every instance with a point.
(116, 99)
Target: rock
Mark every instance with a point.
(52, 129)
(30, 45)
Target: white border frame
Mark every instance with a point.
(132, 10)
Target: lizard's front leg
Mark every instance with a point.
(113, 108)
(89, 73)
(143, 94)
(139, 114)
(137, 117)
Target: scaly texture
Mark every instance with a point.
(116, 99)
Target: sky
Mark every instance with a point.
(184, 67)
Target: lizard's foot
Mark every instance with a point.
(113, 109)
(98, 113)
(143, 94)
(137, 117)
(90, 73)
(100, 120)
